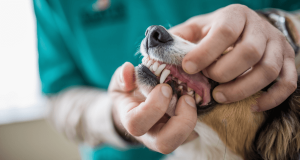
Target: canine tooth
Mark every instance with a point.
(197, 98)
(159, 69)
(164, 75)
(155, 66)
(179, 81)
(189, 89)
(149, 63)
(191, 93)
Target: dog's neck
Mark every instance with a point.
(207, 146)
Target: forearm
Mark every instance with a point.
(84, 115)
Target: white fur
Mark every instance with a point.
(208, 146)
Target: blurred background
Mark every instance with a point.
(24, 132)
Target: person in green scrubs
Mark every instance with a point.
(82, 43)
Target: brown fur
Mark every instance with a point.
(279, 138)
(270, 135)
(235, 124)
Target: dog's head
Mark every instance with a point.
(274, 134)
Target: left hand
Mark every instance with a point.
(258, 44)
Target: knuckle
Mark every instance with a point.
(238, 6)
(251, 53)
(271, 71)
(291, 85)
(164, 148)
(226, 31)
(281, 37)
(194, 29)
(219, 76)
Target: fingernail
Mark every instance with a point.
(190, 67)
(190, 101)
(220, 97)
(166, 91)
(254, 108)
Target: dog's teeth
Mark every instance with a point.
(159, 69)
(155, 66)
(164, 75)
(198, 98)
(143, 60)
(191, 93)
(189, 89)
(179, 81)
(151, 68)
(146, 61)
(149, 63)
(180, 88)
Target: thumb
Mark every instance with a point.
(123, 79)
(188, 31)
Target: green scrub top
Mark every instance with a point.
(80, 46)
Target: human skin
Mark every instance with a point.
(260, 46)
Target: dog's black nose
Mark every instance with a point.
(157, 35)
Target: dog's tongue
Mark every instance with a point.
(198, 82)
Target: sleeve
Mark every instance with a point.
(81, 113)
(56, 66)
(84, 115)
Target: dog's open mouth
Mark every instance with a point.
(163, 54)
(196, 85)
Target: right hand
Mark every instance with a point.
(145, 119)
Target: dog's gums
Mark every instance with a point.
(195, 85)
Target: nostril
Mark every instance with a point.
(157, 35)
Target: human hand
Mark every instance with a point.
(257, 44)
(145, 118)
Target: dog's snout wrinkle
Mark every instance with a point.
(157, 35)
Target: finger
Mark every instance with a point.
(262, 74)
(191, 137)
(179, 127)
(219, 38)
(244, 55)
(286, 84)
(139, 118)
(123, 78)
(193, 30)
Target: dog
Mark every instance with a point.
(226, 131)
